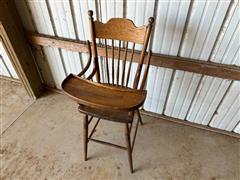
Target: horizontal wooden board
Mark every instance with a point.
(172, 62)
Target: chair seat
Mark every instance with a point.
(111, 115)
(102, 97)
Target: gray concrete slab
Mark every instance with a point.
(13, 102)
(46, 143)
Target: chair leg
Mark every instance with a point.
(128, 144)
(85, 136)
(139, 117)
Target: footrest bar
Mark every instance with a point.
(107, 143)
(90, 119)
(93, 130)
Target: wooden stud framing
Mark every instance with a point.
(12, 36)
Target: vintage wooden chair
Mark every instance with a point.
(112, 100)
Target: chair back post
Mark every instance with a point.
(94, 45)
(146, 40)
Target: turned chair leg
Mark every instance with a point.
(129, 148)
(85, 136)
(139, 117)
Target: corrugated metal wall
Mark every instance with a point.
(205, 30)
(6, 67)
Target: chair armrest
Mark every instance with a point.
(89, 60)
(92, 74)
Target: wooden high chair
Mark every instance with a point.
(113, 99)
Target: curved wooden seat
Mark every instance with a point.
(111, 115)
(99, 96)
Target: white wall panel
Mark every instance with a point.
(6, 66)
(3, 69)
(63, 22)
(228, 114)
(139, 11)
(227, 48)
(211, 90)
(110, 9)
(43, 24)
(80, 12)
(204, 24)
(207, 98)
(169, 25)
(237, 129)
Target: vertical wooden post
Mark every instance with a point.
(13, 39)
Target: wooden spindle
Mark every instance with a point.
(146, 70)
(95, 54)
(118, 62)
(145, 44)
(106, 52)
(130, 64)
(124, 64)
(112, 62)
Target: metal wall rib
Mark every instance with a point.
(205, 30)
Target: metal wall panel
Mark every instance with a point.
(170, 19)
(207, 98)
(227, 47)
(206, 30)
(3, 69)
(237, 129)
(6, 67)
(63, 24)
(228, 114)
(204, 24)
(212, 90)
(42, 22)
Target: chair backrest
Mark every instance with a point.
(123, 32)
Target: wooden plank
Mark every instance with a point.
(172, 62)
(63, 43)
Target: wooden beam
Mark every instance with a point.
(63, 43)
(188, 123)
(17, 48)
(185, 64)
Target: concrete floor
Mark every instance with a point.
(13, 102)
(46, 143)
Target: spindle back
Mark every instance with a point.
(123, 32)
